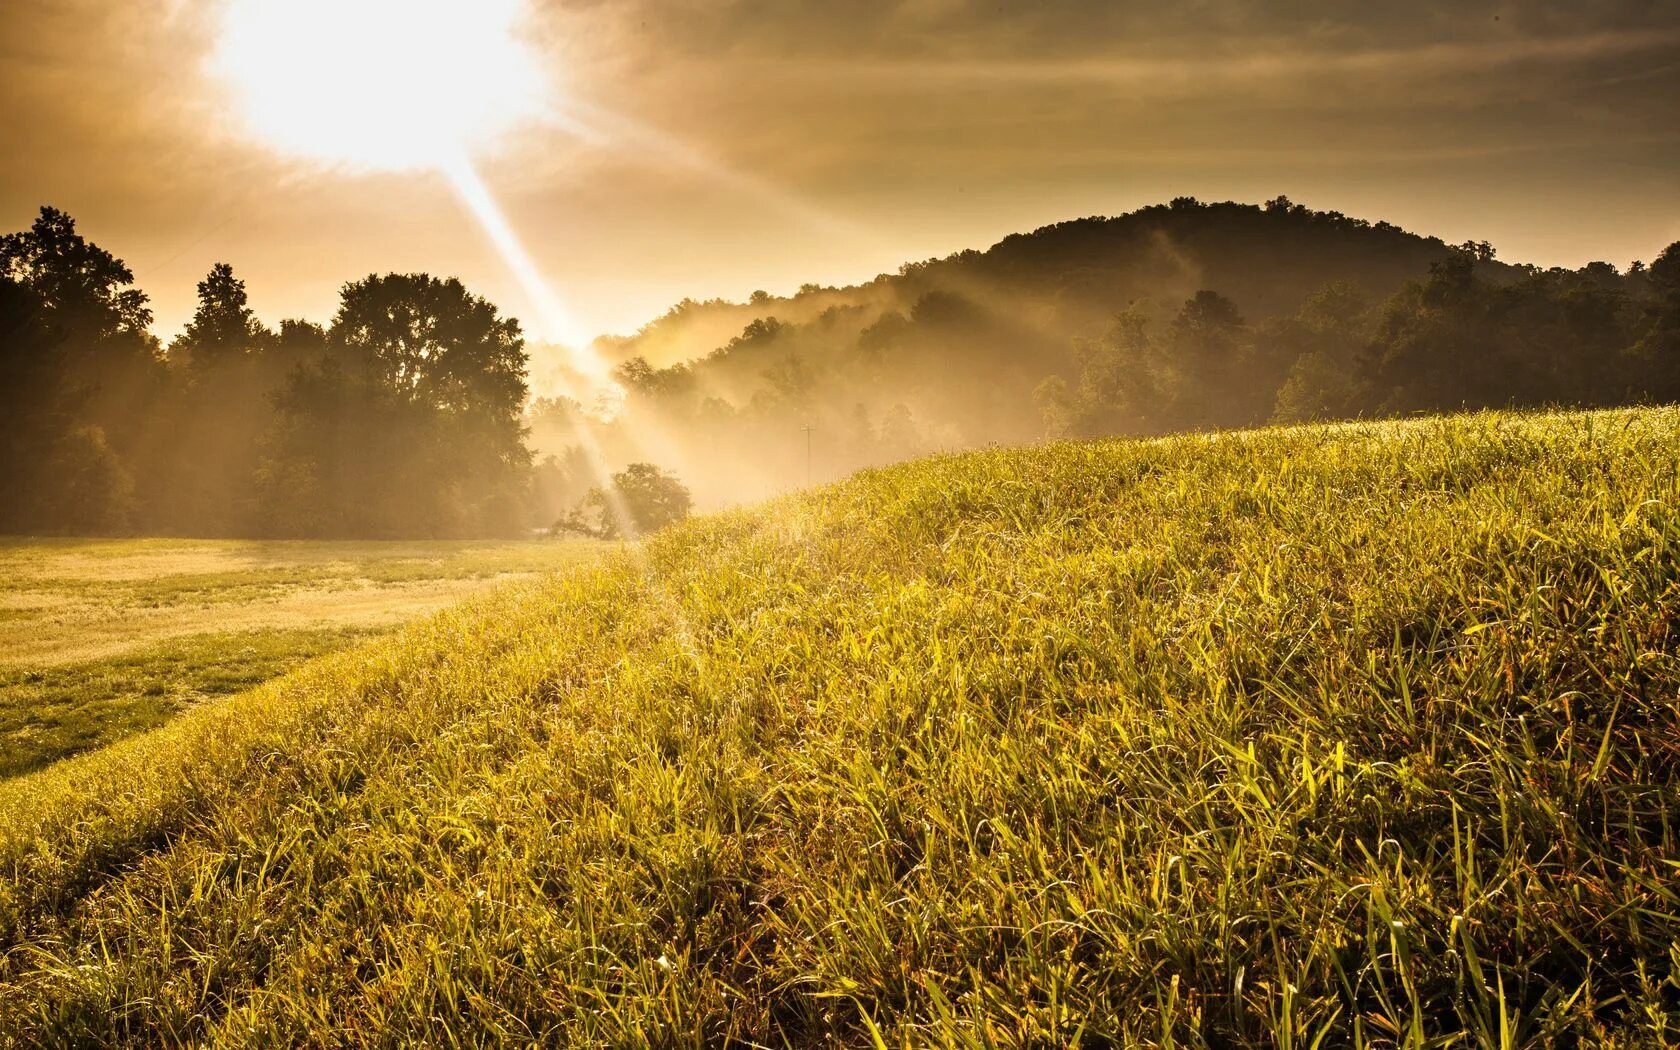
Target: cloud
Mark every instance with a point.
(1263, 62)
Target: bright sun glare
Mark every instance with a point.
(378, 84)
(397, 85)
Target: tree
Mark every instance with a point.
(434, 343)
(83, 285)
(1323, 342)
(1431, 351)
(224, 328)
(409, 424)
(1118, 388)
(60, 473)
(1656, 356)
(81, 377)
(1210, 374)
(643, 499)
(226, 370)
(1457, 340)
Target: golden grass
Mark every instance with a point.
(1336, 736)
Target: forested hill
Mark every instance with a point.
(1071, 277)
(1183, 316)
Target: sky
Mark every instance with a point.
(709, 148)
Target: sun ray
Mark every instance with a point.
(553, 316)
(598, 125)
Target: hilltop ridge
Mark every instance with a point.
(1075, 274)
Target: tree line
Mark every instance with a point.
(1452, 340)
(409, 413)
(405, 416)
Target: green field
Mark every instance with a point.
(1363, 735)
(100, 639)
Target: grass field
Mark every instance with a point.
(1362, 735)
(100, 639)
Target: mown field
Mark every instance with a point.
(100, 639)
(1362, 735)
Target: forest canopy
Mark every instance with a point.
(409, 413)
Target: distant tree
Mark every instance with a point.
(410, 424)
(1323, 342)
(559, 482)
(1457, 340)
(1213, 374)
(77, 350)
(224, 328)
(227, 369)
(792, 382)
(639, 379)
(642, 499)
(1118, 389)
(1431, 349)
(1054, 399)
(83, 286)
(554, 425)
(59, 473)
(900, 436)
(298, 343)
(1656, 355)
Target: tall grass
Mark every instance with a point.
(1358, 735)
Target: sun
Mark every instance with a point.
(381, 85)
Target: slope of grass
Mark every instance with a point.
(1363, 735)
(103, 638)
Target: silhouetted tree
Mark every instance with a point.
(1457, 340)
(80, 354)
(83, 286)
(223, 328)
(58, 473)
(227, 370)
(1656, 356)
(410, 424)
(645, 495)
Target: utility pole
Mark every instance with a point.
(808, 428)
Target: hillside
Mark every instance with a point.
(1179, 317)
(1342, 735)
(1071, 277)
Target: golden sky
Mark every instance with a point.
(745, 144)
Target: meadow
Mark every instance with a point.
(1357, 735)
(100, 639)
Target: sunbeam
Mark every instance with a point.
(596, 124)
(556, 321)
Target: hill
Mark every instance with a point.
(1340, 735)
(1071, 277)
(1185, 316)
